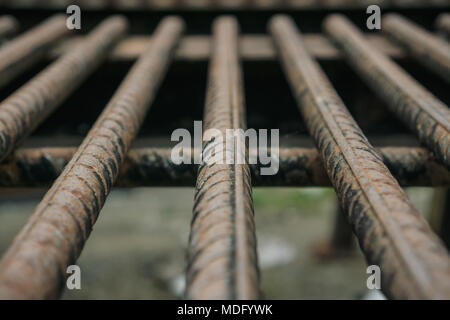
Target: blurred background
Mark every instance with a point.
(138, 245)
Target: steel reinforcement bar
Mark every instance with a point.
(252, 47)
(28, 48)
(222, 260)
(428, 49)
(150, 167)
(34, 267)
(25, 109)
(443, 23)
(391, 232)
(425, 115)
(8, 26)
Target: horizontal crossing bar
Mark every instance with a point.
(152, 167)
(251, 47)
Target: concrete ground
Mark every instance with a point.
(137, 248)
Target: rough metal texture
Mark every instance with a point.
(28, 48)
(428, 49)
(149, 167)
(428, 117)
(35, 265)
(222, 260)
(443, 24)
(25, 109)
(415, 166)
(391, 232)
(252, 47)
(8, 26)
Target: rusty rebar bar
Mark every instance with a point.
(426, 48)
(26, 108)
(391, 232)
(152, 167)
(425, 115)
(222, 260)
(28, 48)
(443, 24)
(34, 267)
(8, 26)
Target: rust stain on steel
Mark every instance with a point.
(34, 267)
(391, 232)
(428, 49)
(25, 109)
(8, 26)
(428, 117)
(222, 259)
(443, 24)
(25, 50)
(415, 167)
(252, 47)
(149, 167)
(304, 167)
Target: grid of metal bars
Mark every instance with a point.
(222, 260)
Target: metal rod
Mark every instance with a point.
(426, 48)
(391, 232)
(8, 26)
(150, 167)
(25, 50)
(26, 108)
(251, 47)
(425, 115)
(55, 234)
(222, 260)
(443, 24)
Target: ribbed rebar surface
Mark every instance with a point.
(391, 232)
(26, 108)
(222, 260)
(425, 115)
(35, 265)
